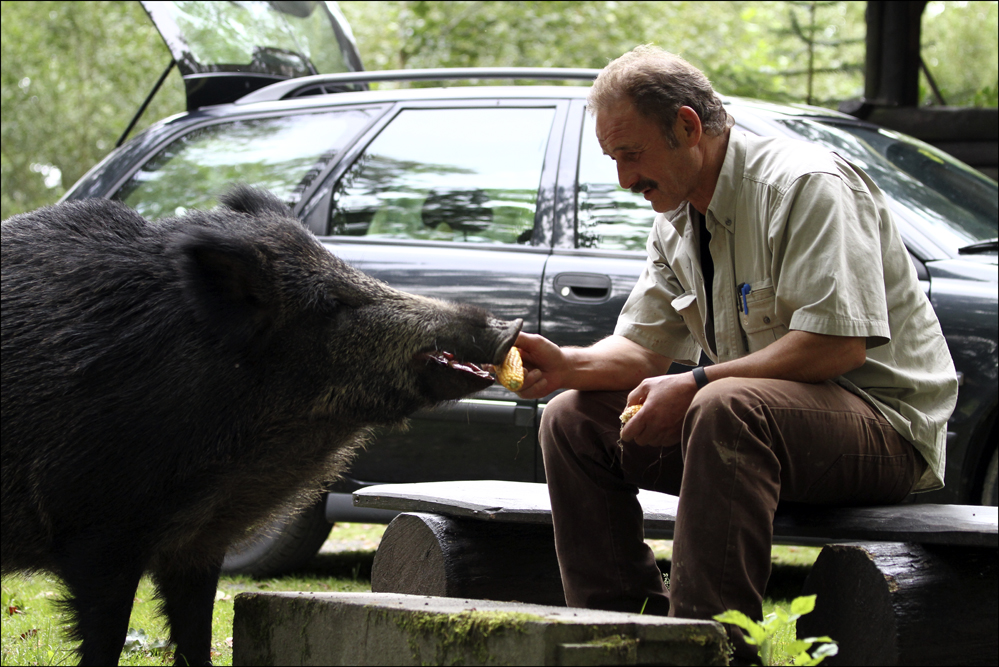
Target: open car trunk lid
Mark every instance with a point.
(225, 50)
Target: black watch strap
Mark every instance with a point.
(700, 377)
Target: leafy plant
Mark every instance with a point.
(764, 635)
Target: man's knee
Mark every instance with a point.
(559, 413)
(721, 410)
(724, 398)
(574, 417)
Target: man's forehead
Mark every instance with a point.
(616, 128)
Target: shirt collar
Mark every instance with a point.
(726, 194)
(723, 201)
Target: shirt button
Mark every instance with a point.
(728, 222)
(766, 320)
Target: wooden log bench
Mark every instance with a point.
(901, 585)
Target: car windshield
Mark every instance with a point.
(952, 202)
(283, 155)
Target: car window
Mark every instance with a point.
(608, 217)
(463, 175)
(283, 155)
(960, 204)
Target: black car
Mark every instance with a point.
(501, 197)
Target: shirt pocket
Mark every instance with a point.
(686, 306)
(760, 325)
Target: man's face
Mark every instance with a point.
(646, 163)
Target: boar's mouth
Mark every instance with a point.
(457, 368)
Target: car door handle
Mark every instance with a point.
(583, 287)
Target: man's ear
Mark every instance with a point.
(688, 127)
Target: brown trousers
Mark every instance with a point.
(745, 445)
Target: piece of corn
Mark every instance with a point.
(511, 373)
(629, 412)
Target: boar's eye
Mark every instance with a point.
(329, 306)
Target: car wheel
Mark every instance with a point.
(283, 545)
(989, 485)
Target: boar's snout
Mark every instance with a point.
(508, 332)
(454, 367)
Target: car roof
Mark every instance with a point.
(323, 90)
(335, 83)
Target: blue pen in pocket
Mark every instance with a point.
(744, 289)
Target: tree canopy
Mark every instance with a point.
(74, 73)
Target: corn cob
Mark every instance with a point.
(511, 373)
(629, 412)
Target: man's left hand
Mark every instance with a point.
(665, 400)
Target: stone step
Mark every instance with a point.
(392, 629)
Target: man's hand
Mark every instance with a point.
(612, 364)
(665, 400)
(544, 365)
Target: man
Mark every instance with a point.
(831, 382)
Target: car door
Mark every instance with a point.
(600, 237)
(599, 244)
(454, 201)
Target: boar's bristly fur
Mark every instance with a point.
(167, 386)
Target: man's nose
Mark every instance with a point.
(625, 176)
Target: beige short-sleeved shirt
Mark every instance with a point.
(811, 239)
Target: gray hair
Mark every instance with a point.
(658, 83)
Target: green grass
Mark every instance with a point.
(32, 631)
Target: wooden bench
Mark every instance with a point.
(907, 584)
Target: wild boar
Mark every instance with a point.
(167, 386)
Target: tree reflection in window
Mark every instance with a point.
(608, 217)
(463, 175)
(283, 155)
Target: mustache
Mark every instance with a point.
(643, 185)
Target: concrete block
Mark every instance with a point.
(393, 629)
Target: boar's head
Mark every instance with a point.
(333, 341)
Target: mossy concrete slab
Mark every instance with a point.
(392, 629)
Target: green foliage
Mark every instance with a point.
(826, 43)
(960, 43)
(745, 48)
(777, 623)
(74, 73)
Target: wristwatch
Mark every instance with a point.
(700, 377)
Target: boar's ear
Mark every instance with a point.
(226, 282)
(254, 201)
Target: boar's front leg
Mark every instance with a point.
(188, 595)
(101, 585)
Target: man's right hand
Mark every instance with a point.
(612, 364)
(544, 365)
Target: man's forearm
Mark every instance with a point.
(614, 363)
(800, 356)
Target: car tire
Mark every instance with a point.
(284, 545)
(990, 485)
